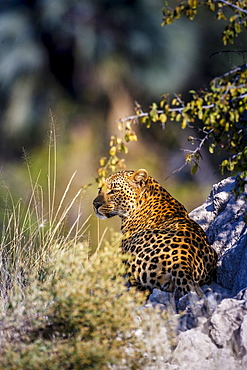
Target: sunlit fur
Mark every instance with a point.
(171, 250)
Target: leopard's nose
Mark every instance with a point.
(96, 205)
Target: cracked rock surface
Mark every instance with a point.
(224, 220)
(212, 332)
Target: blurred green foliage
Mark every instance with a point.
(222, 108)
(80, 316)
(68, 53)
(88, 62)
(234, 12)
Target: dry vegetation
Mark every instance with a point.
(62, 307)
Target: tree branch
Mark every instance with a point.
(228, 51)
(232, 5)
(146, 114)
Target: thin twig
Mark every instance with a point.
(239, 97)
(232, 5)
(193, 152)
(228, 51)
(175, 171)
(241, 68)
(145, 114)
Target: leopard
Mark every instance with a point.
(167, 249)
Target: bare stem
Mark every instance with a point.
(232, 5)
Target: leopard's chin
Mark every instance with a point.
(105, 215)
(102, 217)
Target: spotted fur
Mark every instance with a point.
(170, 250)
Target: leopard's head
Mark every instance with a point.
(121, 194)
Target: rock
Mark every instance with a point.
(195, 350)
(224, 220)
(243, 334)
(211, 332)
(226, 321)
(159, 297)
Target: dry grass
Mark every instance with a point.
(61, 307)
(30, 232)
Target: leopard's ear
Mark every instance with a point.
(140, 176)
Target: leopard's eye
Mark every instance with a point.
(110, 192)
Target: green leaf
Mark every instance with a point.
(211, 148)
(194, 169)
(224, 163)
(112, 151)
(184, 123)
(163, 117)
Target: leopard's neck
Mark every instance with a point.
(155, 208)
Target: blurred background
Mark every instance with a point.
(85, 63)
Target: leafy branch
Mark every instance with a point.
(220, 110)
(236, 21)
(233, 6)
